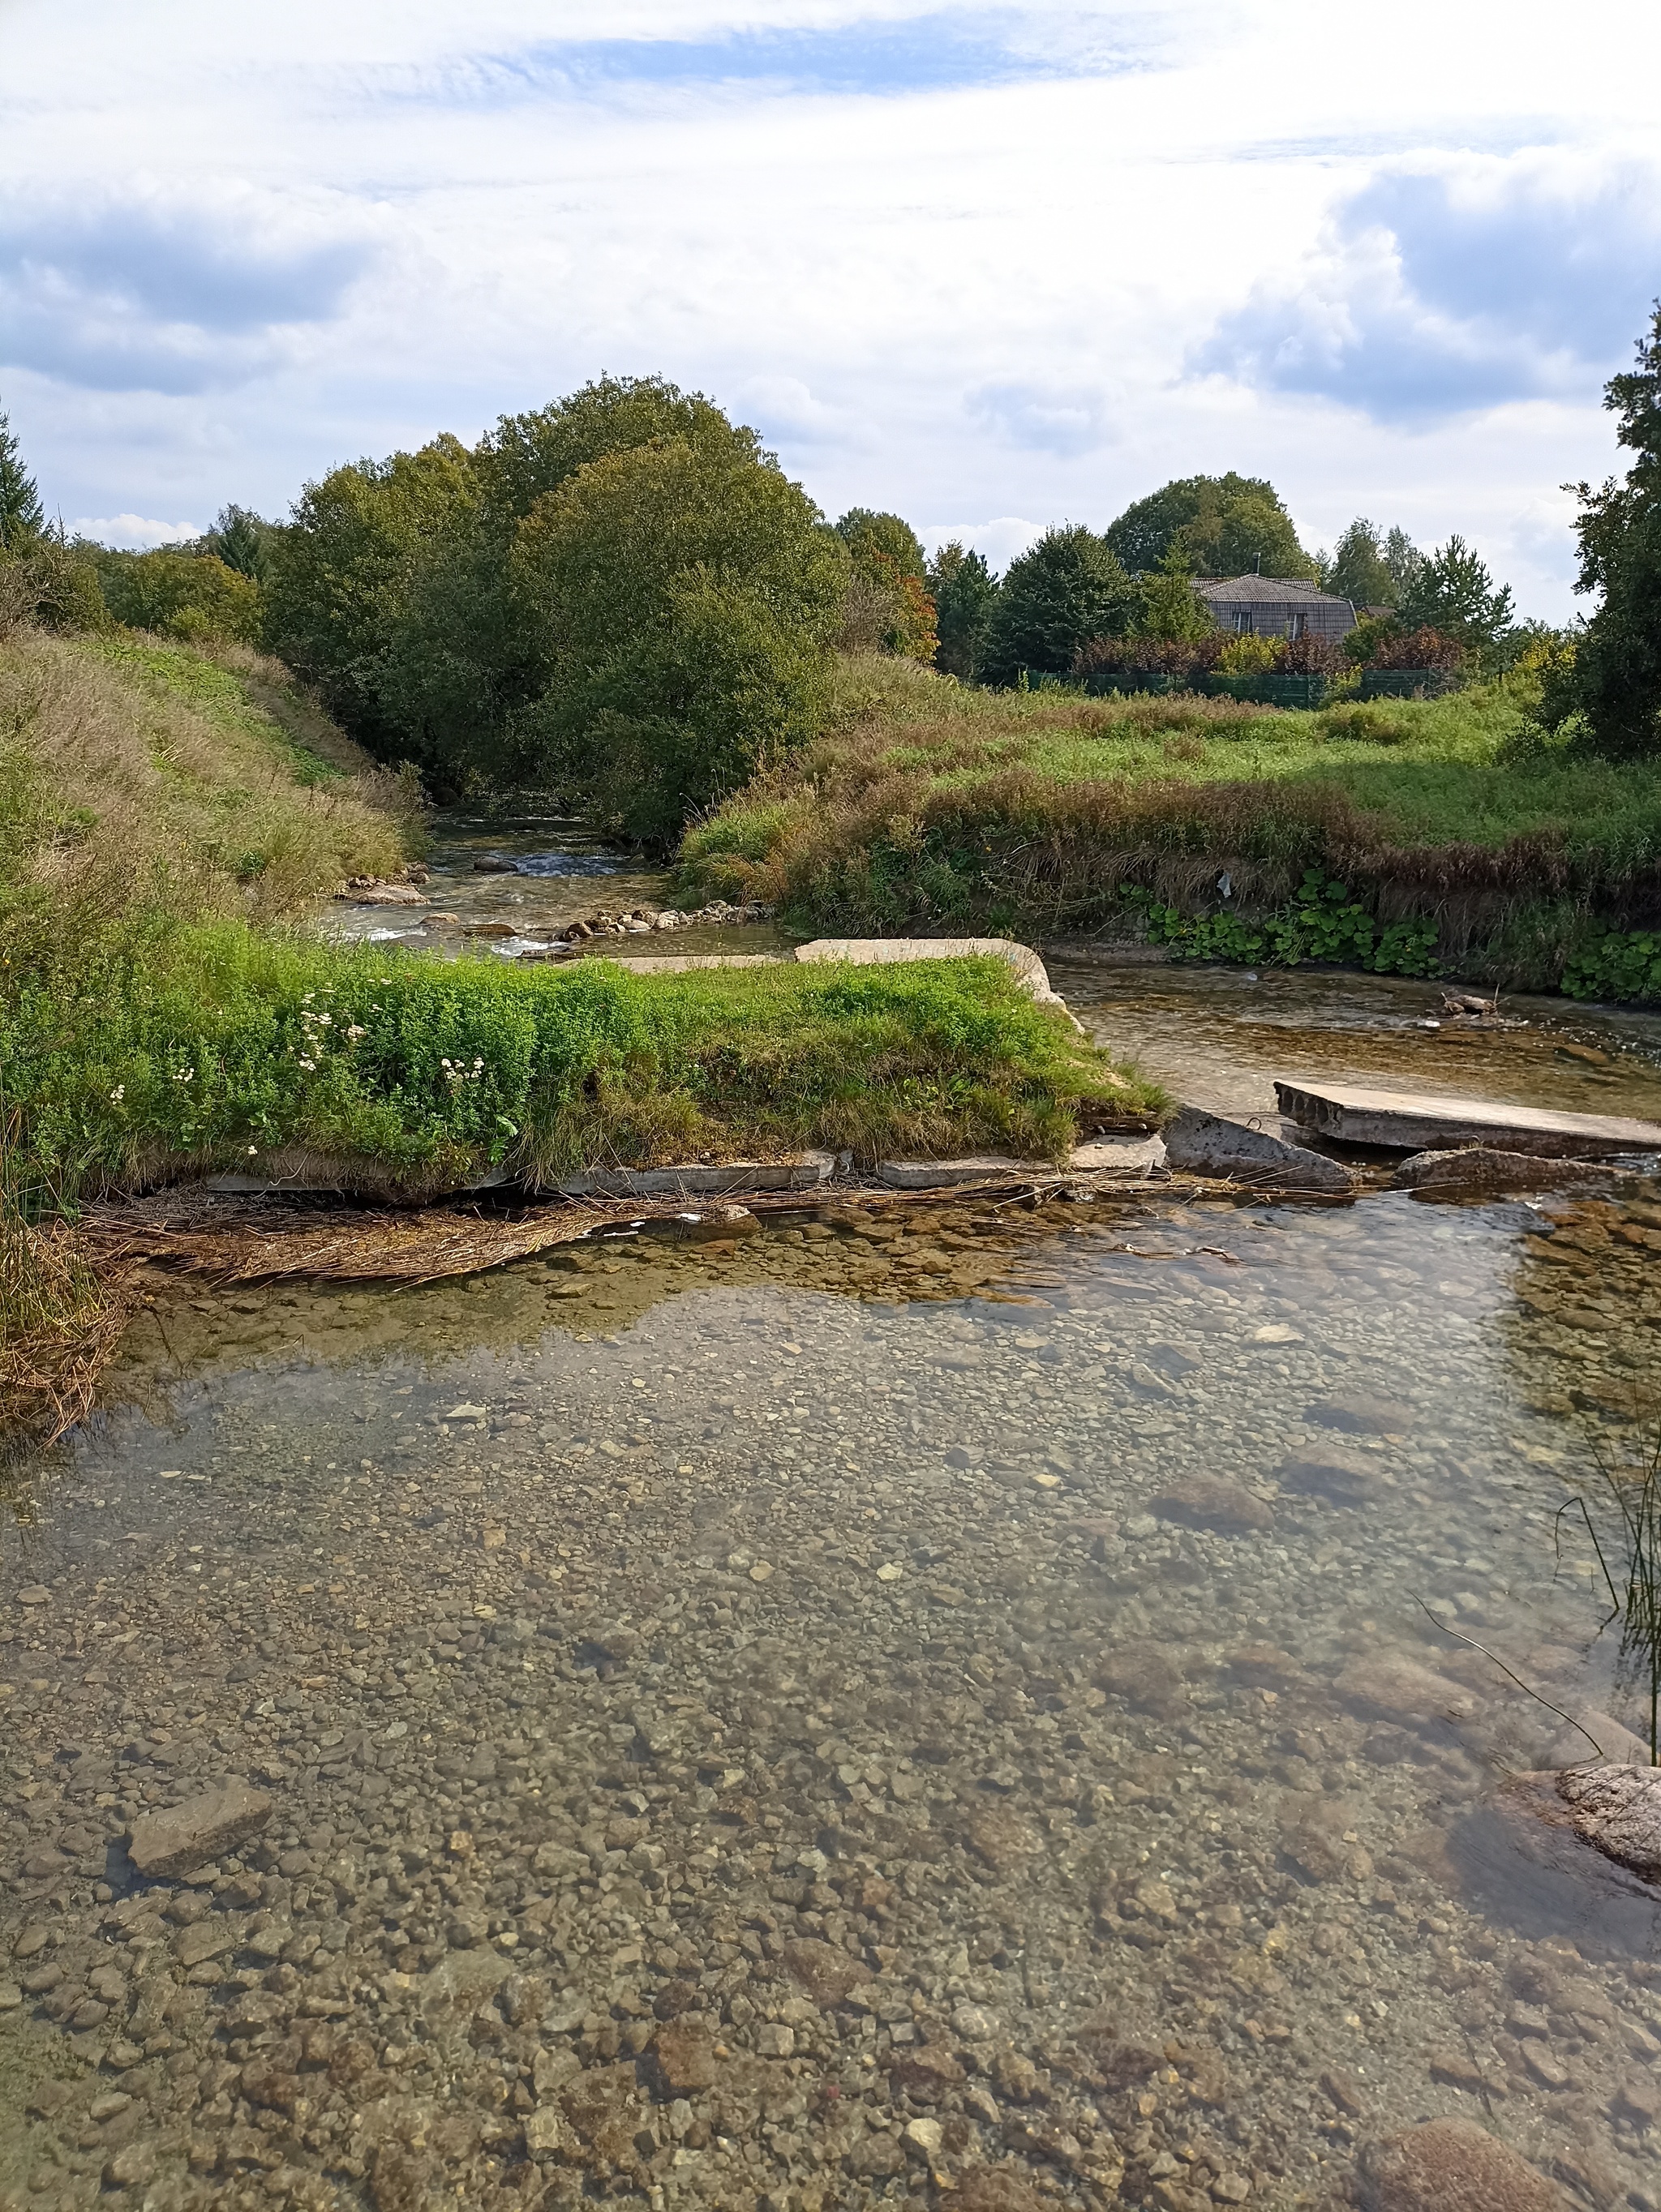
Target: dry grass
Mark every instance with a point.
(134, 772)
(60, 1317)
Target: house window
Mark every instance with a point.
(1296, 625)
(1245, 622)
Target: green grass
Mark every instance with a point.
(215, 1047)
(928, 804)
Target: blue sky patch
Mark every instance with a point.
(944, 52)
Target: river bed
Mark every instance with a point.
(838, 1716)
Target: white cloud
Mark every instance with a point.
(949, 260)
(133, 533)
(1000, 540)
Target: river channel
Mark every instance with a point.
(957, 1707)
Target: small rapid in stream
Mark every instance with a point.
(929, 1708)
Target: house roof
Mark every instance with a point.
(1262, 589)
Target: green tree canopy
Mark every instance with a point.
(864, 533)
(21, 516)
(683, 598)
(1454, 592)
(1224, 526)
(1611, 688)
(1358, 570)
(242, 540)
(1168, 606)
(1066, 589)
(527, 456)
(342, 573)
(964, 591)
(181, 594)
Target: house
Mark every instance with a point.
(1274, 607)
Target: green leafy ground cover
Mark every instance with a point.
(218, 1046)
(928, 804)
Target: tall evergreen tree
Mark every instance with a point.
(21, 516)
(1454, 592)
(1069, 588)
(964, 593)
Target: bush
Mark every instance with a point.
(1321, 922)
(193, 597)
(1625, 966)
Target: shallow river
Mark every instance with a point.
(840, 1718)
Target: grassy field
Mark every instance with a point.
(927, 803)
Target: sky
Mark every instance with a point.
(993, 267)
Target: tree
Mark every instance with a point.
(1454, 592)
(1171, 609)
(964, 591)
(683, 599)
(888, 606)
(1357, 569)
(1610, 690)
(527, 456)
(1066, 588)
(242, 540)
(181, 594)
(863, 531)
(1224, 525)
(341, 576)
(1403, 560)
(21, 516)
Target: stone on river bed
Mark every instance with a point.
(185, 1836)
(1485, 1168)
(1452, 2166)
(1618, 1810)
(1210, 1145)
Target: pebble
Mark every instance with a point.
(1100, 1838)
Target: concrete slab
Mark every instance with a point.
(942, 1174)
(1211, 1144)
(1414, 1121)
(806, 1171)
(1485, 1168)
(879, 951)
(1119, 1156)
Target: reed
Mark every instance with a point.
(1621, 1517)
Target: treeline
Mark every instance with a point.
(623, 596)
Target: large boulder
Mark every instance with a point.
(1452, 2165)
(1210, 1145)
(1618, 1810)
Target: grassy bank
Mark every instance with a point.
(931, 805)
(172, 819)
(216, 1046)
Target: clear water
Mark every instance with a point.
(729, 1706)
(566, 873)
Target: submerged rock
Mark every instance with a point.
(1480, 1168)
(1617, 1809)
(1452, 2165)
(187, 1836)
(1207, 1144)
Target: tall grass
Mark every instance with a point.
(928, 803)
(1622, 1518)
(214, 1046)
(58, 1318)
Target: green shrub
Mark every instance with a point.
(1321, 922)
(1624, 966)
